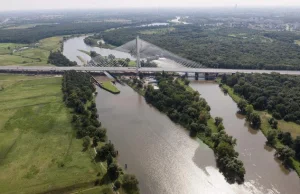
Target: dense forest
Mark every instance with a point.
(221, 48)
(78, 92)
(58, 59)
(192, 112)
(275, 93)
(31, 35)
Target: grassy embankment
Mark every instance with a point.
(34, 55)
(85, 52)
(284, 126)
(38, 148)
(108, 85)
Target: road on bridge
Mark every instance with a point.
(143, 69)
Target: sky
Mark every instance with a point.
(100, 4)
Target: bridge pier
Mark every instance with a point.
(206, 76)
(196, 76)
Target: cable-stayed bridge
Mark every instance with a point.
(142, 51)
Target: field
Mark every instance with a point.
(38, 148)
(110, 86)
(35, 54)
(24, 26)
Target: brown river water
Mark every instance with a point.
(167, 161)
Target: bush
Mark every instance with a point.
(117, 184)
(130, 182)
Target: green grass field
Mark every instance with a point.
(110, 86)
(35, 55)
(24, 26)
(38, 148)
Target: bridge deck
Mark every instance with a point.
(7, 69)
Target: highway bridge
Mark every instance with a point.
(53, 70)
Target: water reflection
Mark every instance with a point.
(261, 167)
(163, 156)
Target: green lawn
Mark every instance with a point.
(110, 86)
(38, 148)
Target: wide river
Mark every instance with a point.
(167, 161)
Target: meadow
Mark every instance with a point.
(28, 55)
(39, 152)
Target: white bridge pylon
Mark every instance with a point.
(141, 49)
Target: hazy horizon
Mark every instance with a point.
(20, 5)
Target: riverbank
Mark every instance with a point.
(265, 126)
(79, 94)
(106, 84)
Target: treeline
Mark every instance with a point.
(192, 112)
(277, 94)
(78, 92)
(31, 35)
(235, 48)
(90, 41)
(58, 59)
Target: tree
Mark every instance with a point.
(273, 123)
(297, 147)
(254, 119)
(111, 57)
(220, 127)
(117, 184)
(284, 153)
(95, 141)
(242, 104)
(225, 149)
(130, 182)
(271, 137)
(86, 142)
(186, 82)
(93, 54)
(218, 120)
(127, 60)
(109, 159)
(287, 139)
(249, 110)
(113, 171)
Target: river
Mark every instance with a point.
(166, 160)
(73, 45)
(163, 156)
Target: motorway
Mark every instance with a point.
(37, 69)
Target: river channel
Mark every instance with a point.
(167, 161)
